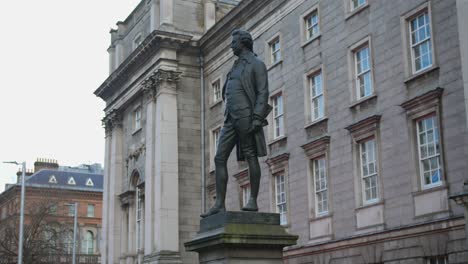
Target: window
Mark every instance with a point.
(52, 179)
(355, 4)
(363, 71)
(368, 162)
(311, 22)
(420, 39)
(321, 186)
(245, 194)
(71, 209)
(88, 243)
(275, 50)
(137, 41)
(316, 96)
(71, 181)
(280, 197)
(437, 260)
(429, 152)
(89, 182)
(53, 209)
(216, 133)
(216, 87)
(278, 116)
(90, 211)
(139, 219)
(137, 119)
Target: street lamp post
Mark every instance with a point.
(20, 247)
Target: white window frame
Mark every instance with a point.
(275, 50)
(365, 164)
(246, 190)
(137, 41)
(137, 119)
(89, 243)
(319, 95)
(71, 181)
(311, 28)
(139, 219)
(428, 32)
(280, 192)
(359, 4)
(88, 212)
(318, 167)
(52, 179)
(436, 155)
(216, 90)
(359, 72)
(278, 115)
(214, 140)
(71, 209)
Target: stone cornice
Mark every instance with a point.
(150, 46)
(279, 162)
(368, 124)
(429, 98)
(242, 177)
(316, 147)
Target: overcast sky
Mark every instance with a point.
(52, 58)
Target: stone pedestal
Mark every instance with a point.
(241, 237)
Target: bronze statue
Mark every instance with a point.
(246, 94)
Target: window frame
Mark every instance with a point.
(407, 41)
(420, 43)
(314, 170)
(309, 104)
(363, 177)
(353, 8)
(136, 118)
(269, 52)
(139, 219)
(279, 165)
(88, 211)
(216, 98)
(246, 191)
(424, 186)
(213, 144)
(136, 43)
(280, 116)
(353, 66)
(303, 21)
(283, 214)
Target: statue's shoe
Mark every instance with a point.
(251, 206)
(213, 210)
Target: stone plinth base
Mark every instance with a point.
(241, 237)
(163, 257)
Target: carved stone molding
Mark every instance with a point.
(317, 147)
(136, 153)
(152, 84)
(126, 198)
(429, 100)
(364, 127)
(278, 163)
(111, 121)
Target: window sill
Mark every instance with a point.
(356, 11)
(320, 217)
(363, 100)
(136, 131)
(365, 206)
(435, 188)
(276, 140)
(275, 64)
(307, 42)
(212, 105)
(421, 74)
(315, 122)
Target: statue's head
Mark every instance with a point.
(241, 40)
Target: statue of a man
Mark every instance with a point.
(245, 93)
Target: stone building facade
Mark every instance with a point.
(367, 140)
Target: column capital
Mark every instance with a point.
(112, 120)
(152, 84)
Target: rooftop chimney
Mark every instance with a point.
(42, 163)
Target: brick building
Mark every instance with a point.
(367, 140)
(57, 189)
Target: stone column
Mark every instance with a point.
(165, 186)
(107, 122)
(210, 14)
(124, 238)
(154, 15)
(115, 188)
(131, 246)
(166, 12)
(150, 97)
(111, 51)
